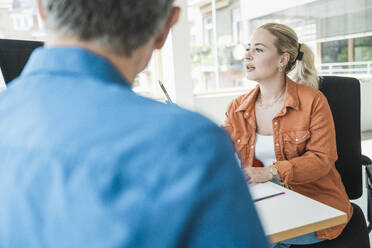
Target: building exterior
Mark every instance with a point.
(19, 20)
(339, 32)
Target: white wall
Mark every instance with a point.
(177, 62)
(214, 106)
(366, 106)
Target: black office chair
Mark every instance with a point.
(14, 55)
(343, 96)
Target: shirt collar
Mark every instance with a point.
(73, 60)
(291, 97)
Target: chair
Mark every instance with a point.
(14, 55)
(343, 94)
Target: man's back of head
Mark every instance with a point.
(124, 32)
(120, 26)
(86, 162)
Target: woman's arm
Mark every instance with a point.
(320, 150)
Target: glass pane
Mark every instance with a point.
(335, 51)
(19, 20)
(228, 20)
(202, 45)
(363, 49)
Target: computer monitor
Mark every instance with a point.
(14, 55)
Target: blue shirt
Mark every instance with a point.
(86, 162)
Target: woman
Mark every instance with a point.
(283, 129)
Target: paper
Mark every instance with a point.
(261, 191)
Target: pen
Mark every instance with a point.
(269, 196)
(165, 91)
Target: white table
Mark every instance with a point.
(291, 214)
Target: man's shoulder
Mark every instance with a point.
(182, 121)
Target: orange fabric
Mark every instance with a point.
(304, 144)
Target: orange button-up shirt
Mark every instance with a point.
(304, 144)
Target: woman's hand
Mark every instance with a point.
(258, 174)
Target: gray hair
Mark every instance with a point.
(121, 26)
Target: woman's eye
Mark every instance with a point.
(258, 50)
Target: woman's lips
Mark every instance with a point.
(250, 68)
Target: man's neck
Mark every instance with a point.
(127, 66)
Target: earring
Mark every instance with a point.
(280, 69)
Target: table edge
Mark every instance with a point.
(313, 227)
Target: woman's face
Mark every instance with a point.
(262, 58)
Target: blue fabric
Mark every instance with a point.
(306, 239)
(86, 162)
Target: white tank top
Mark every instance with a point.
(264, 149)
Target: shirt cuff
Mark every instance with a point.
(285, 170)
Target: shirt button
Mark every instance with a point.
(277, 144)
(276, 123)
(296, 139)
(238, 141)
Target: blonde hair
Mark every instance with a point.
(300, 66)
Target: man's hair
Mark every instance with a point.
(121, 26)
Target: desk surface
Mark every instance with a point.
(291, 214)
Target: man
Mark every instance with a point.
(85, 162)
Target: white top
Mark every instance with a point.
(264, 149)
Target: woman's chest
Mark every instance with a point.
(290, 131)
(264, 119)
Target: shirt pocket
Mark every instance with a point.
(294, 143)
(242, 147)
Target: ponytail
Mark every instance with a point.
(303, 70)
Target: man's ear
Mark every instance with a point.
(171, 20)
(40, 9)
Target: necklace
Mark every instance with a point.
(275, 100)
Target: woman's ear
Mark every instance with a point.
(284, 59)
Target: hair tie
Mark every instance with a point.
(299, 53)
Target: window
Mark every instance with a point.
(363, 49)
(208, 31)
(235, 17)
(338, 31)
(215, 65)
(18, 20)
(334, 51)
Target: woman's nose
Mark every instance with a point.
(248, 56)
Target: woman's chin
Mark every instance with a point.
(252, 77)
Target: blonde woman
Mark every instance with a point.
(283, 129)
